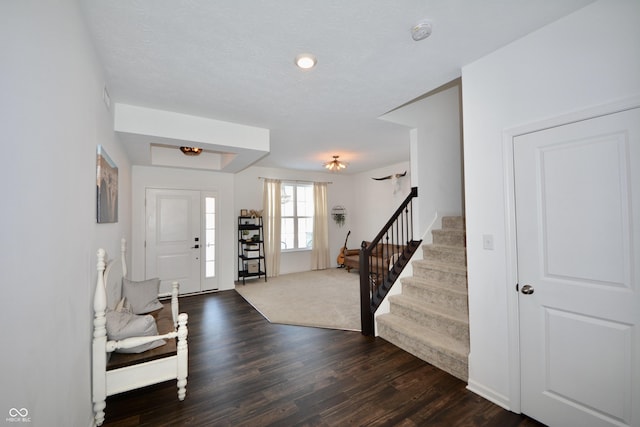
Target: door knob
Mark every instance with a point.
(527, 289)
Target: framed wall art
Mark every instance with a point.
(107, 187)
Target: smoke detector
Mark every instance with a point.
(421, 30)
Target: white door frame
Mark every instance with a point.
(513, 314)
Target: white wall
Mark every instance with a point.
(172, 178)
(436, 153)
(375, 201)
(340, 192)
(587, 59)
(51, 120)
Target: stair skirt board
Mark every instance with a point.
(430, 318)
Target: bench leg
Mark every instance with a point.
(182, 389)
(183, 356)
(98, 409)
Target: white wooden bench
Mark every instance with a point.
(115, 372)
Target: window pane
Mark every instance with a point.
(305, 233)
(210, 252)
(305, 201)
(210, 205)
(210, 268)
(287, 200)
(209, 221)
(287, 233)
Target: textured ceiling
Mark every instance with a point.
(232, 60)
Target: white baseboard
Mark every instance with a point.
(489, 394)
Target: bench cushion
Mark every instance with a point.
(164, 323)
(124, 324)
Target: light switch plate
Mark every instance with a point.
(487, 242)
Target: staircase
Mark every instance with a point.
(430, 319)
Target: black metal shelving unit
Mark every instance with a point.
(251, 257)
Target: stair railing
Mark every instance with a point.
(383, 259)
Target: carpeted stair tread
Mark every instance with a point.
(433, 284)
(429, 308)
(422, 334)
(443, 294)
(434, 317)
(446, 247)
(452, 231)
(453, 222)
(449, 237)
(441, 266)
(445, 253)
(440, 350)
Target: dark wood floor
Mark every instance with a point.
(244, 371)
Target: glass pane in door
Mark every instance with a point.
(210, 236)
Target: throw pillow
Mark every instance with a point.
(142, 297)
(121, 325)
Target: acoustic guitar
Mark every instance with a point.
(342, 251)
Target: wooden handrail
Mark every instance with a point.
(383, 259)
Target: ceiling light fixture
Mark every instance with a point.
(306, 61)
(421, 31)
(335, 165)
(191, 151)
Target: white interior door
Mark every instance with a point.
(173, 238)
(578, 240)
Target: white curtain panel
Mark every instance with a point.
(271, 204)
(320, 251)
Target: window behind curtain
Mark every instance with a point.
(297, 216)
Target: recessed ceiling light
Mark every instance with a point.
(306, 61)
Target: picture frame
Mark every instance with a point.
(244, 212)
(106, 188)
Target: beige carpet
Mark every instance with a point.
(324, 299)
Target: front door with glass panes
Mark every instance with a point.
(297, 216)
(181, 239)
